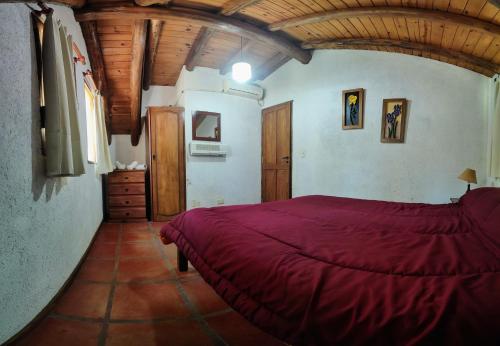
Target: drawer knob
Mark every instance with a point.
(126, 190)
(127, 214)
(127, 202)
(126, 178)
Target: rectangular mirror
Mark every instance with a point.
(206, 126)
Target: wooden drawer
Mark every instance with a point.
(126, 213)
(126, 177)
(127, 201)
(126, 189)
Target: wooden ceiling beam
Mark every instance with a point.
(204, 18)
(407, 12)
(198, 47)
(153, 38)
(89, 31)
(488, 67)
(271, 65)
(232, 6)
(151, 2)
(136, 70)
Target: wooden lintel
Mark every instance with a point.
(447, 18)
(483, 66)
(232, 6)
(136, 70)
(153, 38)
(89, 30)
(204, 18)
(151, 2)
(270, 66)
(198, 47)
(226, 67)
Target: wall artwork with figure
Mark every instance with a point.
(393, 121)
(352, 109)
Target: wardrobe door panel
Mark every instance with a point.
(167, 177)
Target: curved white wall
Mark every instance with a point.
(45, 224)
(234, 179)
(446, 126)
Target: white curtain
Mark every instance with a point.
(62, 133)
(495, 133)
(104, 164)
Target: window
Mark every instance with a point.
(91, 125)
(37, 25)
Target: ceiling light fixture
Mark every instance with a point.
(241, 71)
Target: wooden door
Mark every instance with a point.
(166, 162)
(277, 152)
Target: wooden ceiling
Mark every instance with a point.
(134, 45)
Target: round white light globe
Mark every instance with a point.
(242, 72)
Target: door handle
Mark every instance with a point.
(154, 157)
(285, 158)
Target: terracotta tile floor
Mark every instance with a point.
(129, 292)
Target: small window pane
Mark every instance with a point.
(91, 125)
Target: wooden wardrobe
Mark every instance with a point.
(166, 162)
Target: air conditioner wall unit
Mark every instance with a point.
(206, 149)
(245, 90)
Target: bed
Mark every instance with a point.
(319, 270)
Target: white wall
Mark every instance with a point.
(446, 126)
(45, 224)
(234, 179)
(123, 150)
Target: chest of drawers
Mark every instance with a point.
(126, 196)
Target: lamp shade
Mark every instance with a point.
(242, 72)
(469, 175)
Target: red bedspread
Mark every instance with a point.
(320, 270)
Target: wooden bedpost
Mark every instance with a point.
(182, 262)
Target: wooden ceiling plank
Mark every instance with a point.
(426, 14)
(492, 49)
(198, 47)
(153, 38)
(89, 31)
(473, 8)
(114, 37)
(477, 62)
(210, 20)
(233, 6)
(136, 70)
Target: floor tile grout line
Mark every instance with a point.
(134, 282)
(75, 318)
(136, 321)
(160, 247)
(216, 338)
(104, 331)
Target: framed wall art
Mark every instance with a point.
(352, 109)
(393, 121)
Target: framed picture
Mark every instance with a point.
(393, 121)
(352, 109)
